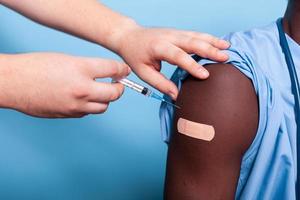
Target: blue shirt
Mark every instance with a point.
(269, 166)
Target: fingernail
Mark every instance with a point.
(225, 43)
(203, 73)
(128, 70)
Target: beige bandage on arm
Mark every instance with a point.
(195, 130)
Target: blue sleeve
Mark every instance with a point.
(240, 55)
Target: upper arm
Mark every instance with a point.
(198, 169)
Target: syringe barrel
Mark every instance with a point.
(133, 85)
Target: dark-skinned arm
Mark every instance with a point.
(198, 169)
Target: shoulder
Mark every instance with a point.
(246, 40)
(225, 81)
(226, 100)
(225, 86)
(249, 50)
(250, 47)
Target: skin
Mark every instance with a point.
(198, 169)
(142, 49)
(210, 170)
(291, 20)
(57, 85)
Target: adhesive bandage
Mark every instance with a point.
(195, 130)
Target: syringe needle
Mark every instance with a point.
(171, 104)
(156, 96)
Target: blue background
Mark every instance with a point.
(118, 155)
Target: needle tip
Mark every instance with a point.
(177, 106)
(172, 104)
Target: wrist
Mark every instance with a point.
(5, 79)
(118, 35)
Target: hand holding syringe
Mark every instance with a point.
(144, 90)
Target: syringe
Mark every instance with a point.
(144, 90)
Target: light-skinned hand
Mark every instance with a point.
(143, 49)
(56, 85)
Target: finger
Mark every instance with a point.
(201, 48)
(95, 108)
(158, 81)
(215, 41)
(105, 92)
(177, 56)
(103, 68)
